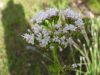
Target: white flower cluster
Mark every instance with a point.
(29, 38)
(46, 37)
(58, 34)
(76, 65)
(69, 13)
(52, 12)
(79, 22)
(43, 15)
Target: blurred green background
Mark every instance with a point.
(15, 16)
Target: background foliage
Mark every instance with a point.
(15, 17)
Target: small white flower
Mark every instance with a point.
(74, 66)
(71, 27)
(29, 38)
(52, 12)
(40, 17)
(70, 14)
(79, 22)
(39, 37)
(63, 40)
(65, 29)
(58, 29)
(57, 26)
(57, 32)
(45, 41)
(47, 38)
(45, 32)
(36, 29)
(29, 30)
(70, 41)
(56, 39)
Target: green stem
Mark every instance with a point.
(55, 56)
(57, 66)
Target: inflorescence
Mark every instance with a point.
(48, 31)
